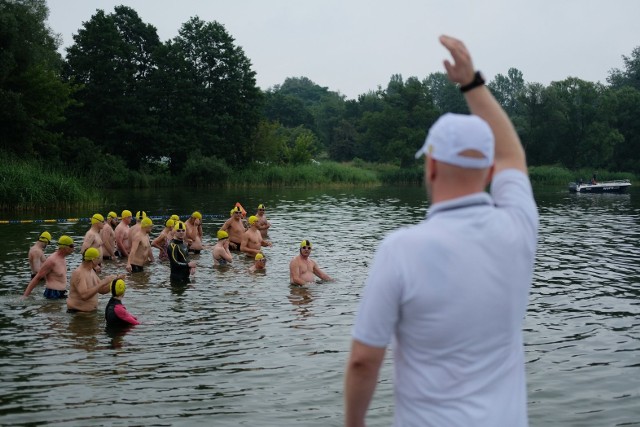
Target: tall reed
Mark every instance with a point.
(30, 185)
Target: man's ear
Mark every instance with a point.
(489, 176)
(432, 169)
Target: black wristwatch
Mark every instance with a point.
(478, 80)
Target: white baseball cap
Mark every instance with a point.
(452, 134)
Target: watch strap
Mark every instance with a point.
(478, 80)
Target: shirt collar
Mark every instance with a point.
(475, 199)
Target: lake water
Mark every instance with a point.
(233, 348)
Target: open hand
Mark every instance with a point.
(461, 71)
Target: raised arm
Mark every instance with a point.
(509, 153)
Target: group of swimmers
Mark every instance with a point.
(108, 239)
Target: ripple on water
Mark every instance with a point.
(239, 349)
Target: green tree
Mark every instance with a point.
(33, 99)
(112, 58)
(289, 110)
(268, 144)
(630, 75)
(343, 145)
(507, 90)
(218, 86)
(621, 108)
(446, 95)
(394, 133)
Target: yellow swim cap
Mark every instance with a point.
(179, 226)
(197, 215)
(305, 243)
(261, 206)
(140, 215)
(96, 218)
(45, 237)
(90, 254)
(175, 218)
(222, 235)
(146, 222)
(118, 287)
(65, 241)
(259, 256)
(169, 223)
(112, 215)
(232, 212)
(126, 213)
(253, 219)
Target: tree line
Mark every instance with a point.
(122, 101)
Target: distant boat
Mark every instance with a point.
(617, 186)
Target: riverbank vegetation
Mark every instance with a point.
(30, 185)
(123, 109)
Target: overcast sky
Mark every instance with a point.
(354, 46)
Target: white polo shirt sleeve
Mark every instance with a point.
(379, 308)
(511, 190)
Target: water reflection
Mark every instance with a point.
(234, 348)
(301, 297)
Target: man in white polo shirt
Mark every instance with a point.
(451, 292)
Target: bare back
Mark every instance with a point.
(36, 257)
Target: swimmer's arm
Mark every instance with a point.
(321, 274)
(158, 242)
(123, 314)
(88, 241)
(150, 255)
(120, 244)
(108, 249)
(44, 270)
(243, 245)
(134, 248)
(266, 243)
(105, 284)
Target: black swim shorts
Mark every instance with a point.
(54, 294)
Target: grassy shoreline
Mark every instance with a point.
(31, 185)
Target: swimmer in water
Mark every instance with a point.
(181, 267)
(54, 272)
(108, 235)
(162, 241)
(259, 264)
(302, 268)
(194, 232)
(86, 285)
(36, 253)
(93, 237)
(140, 247)
(115, 313)
(221, 254)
